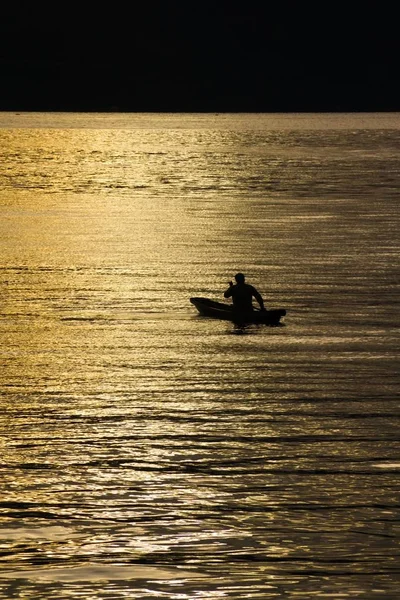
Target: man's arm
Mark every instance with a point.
(259, 299)
(228, 292)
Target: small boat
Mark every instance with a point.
(219, 310)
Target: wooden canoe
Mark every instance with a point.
(220, 310)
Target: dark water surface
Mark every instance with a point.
(148, 452)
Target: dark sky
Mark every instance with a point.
(221, 56)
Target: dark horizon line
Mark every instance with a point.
(199, 110)
(219, 111)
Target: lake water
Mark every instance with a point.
(148, 452)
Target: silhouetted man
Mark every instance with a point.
(242, 295)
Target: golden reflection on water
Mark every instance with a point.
(140, 441)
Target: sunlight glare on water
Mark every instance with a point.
(149, 452)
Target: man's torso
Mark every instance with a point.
(242, 296)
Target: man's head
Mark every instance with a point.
(239, 278)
